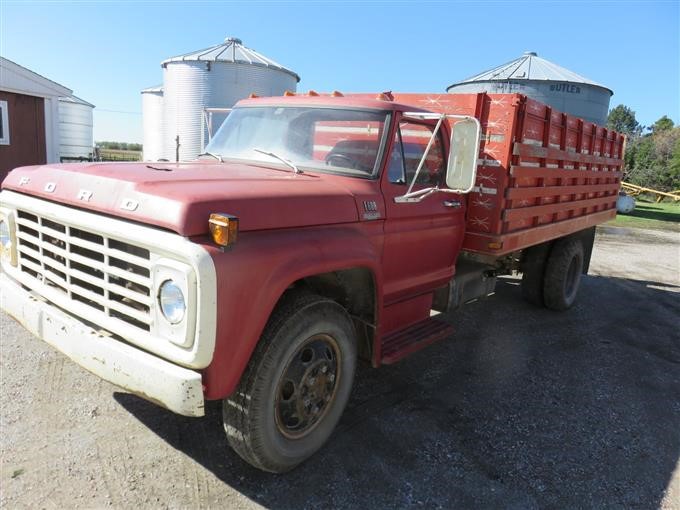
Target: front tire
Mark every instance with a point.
(296, 386)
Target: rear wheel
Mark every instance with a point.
(296, 386)
(563, 274)
(533, 270)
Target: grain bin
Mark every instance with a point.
(152, 121)
(216, 77)
(544, 81)
(75, 129)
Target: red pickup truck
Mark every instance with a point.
(316, 230)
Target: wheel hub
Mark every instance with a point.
(307, 387)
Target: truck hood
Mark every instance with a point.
(181, 196)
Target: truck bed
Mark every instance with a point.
(541, 173)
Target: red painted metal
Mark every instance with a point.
(509, 243)
(255, 273)
(542, 210)
(182, 199)
(548, 191)
(407, 341)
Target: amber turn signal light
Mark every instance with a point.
(223, 228)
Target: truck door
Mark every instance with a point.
(422, 239)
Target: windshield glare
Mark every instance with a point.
(324, 139)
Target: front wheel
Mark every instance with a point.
(296, 385)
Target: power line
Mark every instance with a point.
(116, 111)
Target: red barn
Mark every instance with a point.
(29, 117)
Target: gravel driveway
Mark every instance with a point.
(522, 408)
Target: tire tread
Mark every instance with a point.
(243, 436)
(556, 272)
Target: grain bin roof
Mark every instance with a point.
(231, 50)
(75, 100)
(157, 88)
(530, 67)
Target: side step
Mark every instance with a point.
(402, 343)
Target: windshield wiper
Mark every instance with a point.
(216, 156)
(287, 162)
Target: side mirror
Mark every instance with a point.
(461, 171)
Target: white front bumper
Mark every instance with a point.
(176, 388)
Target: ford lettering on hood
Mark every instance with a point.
(181, 196)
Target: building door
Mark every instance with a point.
(23, 131)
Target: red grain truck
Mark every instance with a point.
(315, 231)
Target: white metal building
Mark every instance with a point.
(75, 128)
(544, 81)
(152, 123)
(215, 77)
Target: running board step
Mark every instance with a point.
(402, 343)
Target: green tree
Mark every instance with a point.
(663, 124)
(622, 119)
(674, 166)
(653, 160)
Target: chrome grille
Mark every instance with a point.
(112, 277)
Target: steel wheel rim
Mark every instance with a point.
(308, 386)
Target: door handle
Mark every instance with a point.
(452, 203)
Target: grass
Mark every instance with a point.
(661, 216)
(119, 155)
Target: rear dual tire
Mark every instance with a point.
(562, 277)
(551, 274)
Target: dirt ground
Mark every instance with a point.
(522, 408)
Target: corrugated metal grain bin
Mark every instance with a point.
(152, 123)
(75, 128)
(214, 77)
(543, 81)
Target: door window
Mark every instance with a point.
(410, 142)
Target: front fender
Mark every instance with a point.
(254, 274)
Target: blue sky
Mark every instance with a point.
(107, 51)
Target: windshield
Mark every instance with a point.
(323, 139)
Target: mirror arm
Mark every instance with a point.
(435, 131)
(416, 196)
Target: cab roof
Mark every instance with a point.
(362, 101)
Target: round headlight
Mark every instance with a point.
(171, 299)
(5, 238)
